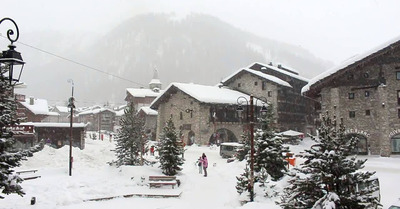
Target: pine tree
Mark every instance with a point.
(130, 139)
(268, 158)
(269, 149)
(170, 150)
(243, 181)
(330, 174)
(9, 182)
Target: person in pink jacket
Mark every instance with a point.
(204, 161)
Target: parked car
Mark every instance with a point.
(229, 149)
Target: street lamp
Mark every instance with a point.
(250, 121)
(10, 57)
(72, 106)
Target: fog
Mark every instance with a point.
(330, 30)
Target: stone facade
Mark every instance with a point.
(365, 97)
(292, 111)
(196, 119)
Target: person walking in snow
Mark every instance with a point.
(204, 161)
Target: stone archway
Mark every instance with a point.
(362, 145)
(395, 144)
(222, 135)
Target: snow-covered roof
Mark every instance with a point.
(95, 111)
(349, 62)
(120, 112)
(234, 144)
(155, 81)
(59, 125)
(39, 106)
(281, 71)
(143, 92)
(63, 109)
(53, 114)
(148, 111)
(206, 94)
(280, 65)
(260, 74)
(290, 133)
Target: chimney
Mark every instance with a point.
(31, 101)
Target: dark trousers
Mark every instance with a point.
(205, 171)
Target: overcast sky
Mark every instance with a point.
(333, 30)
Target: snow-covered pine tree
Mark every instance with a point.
(130, 138)
(330, 173)
(170, 150)
(243, 181)
(269, 149)
(9, 181)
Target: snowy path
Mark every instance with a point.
(92, 178)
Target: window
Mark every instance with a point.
(366, 75)
(367, 112)
(351, 95)
(269, 93)
(263, 86)
(239, 85)
(366, 93)
(350, 77)
(398, 75)
(181, 115)
(398, 97)
(352, 114)
(398, 113)
(255, 83)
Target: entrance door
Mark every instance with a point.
(362, 146)
(395, 142)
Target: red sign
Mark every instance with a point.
(22, 129)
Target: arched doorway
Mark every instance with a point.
(362, 145)
(222, 135)
(395, 144)
(191, 138)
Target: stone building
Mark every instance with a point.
(281, 87)
(150, 121)
(141, 97)
(203, 114)
(98, 118)
(364, 94)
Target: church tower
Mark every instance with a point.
(155, 83)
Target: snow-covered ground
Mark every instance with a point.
(92, 178)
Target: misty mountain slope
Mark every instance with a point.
(198, 48)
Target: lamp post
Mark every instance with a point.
(11, 58)
(250, 121)
(72, 106)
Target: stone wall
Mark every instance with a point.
(375, 103)
(195, 121)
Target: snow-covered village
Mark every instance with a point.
(200, 104)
